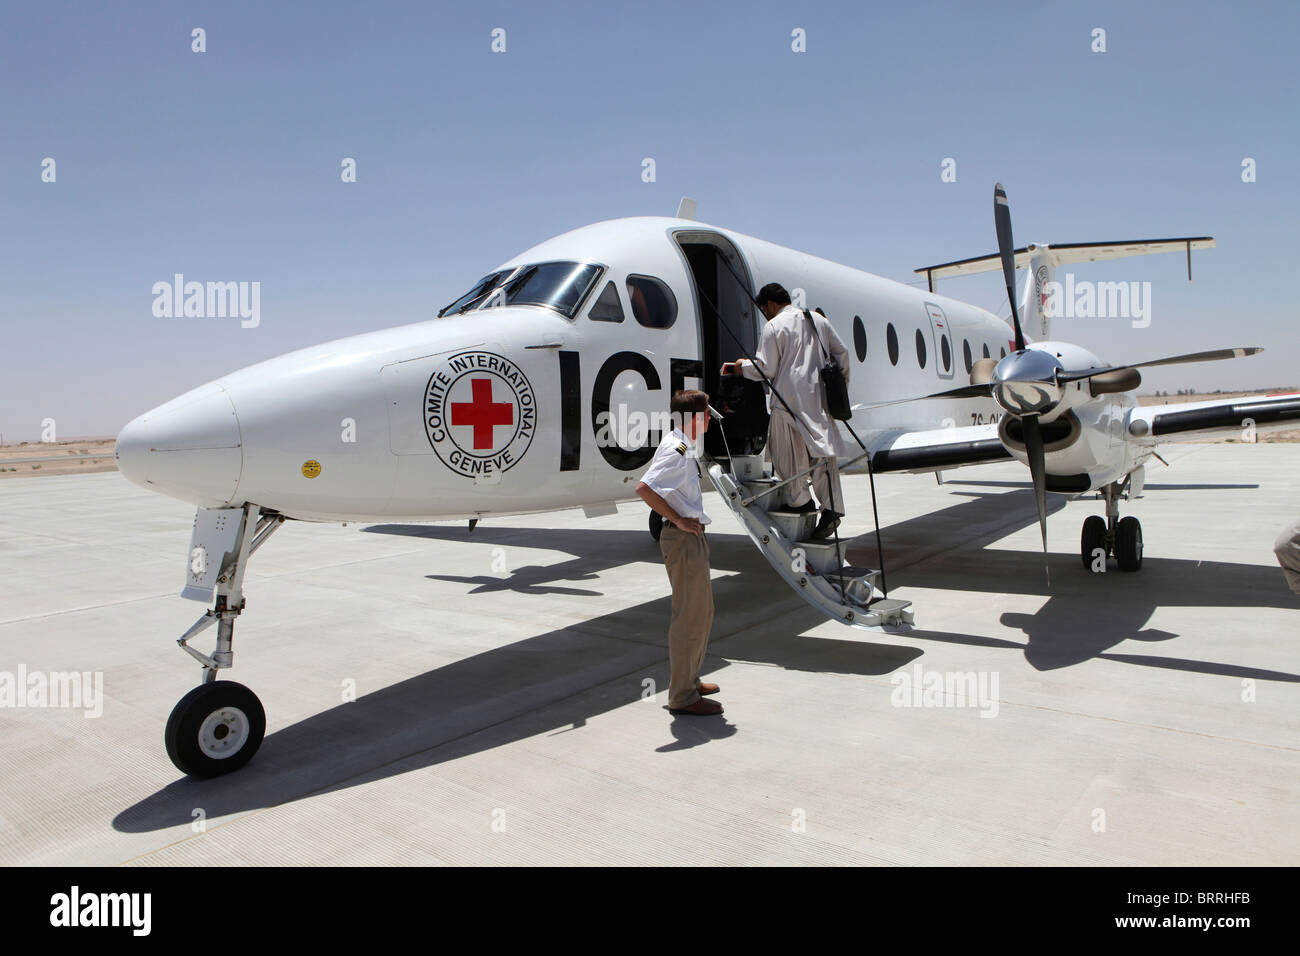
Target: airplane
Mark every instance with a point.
(544, 387)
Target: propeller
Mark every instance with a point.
(1214, 355)
(1007, 249)
(1038, 472)
(1030, 383)
(1034, 370)
(982, 390)
(1031, 397)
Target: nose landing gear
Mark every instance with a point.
(217, 727)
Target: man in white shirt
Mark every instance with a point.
(671, 486)
(791, 351)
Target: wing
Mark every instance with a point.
(1188, 421)
(938, 448)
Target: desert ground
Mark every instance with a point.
(15, 457)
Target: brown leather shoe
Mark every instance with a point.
(706, 689)
(701, 708)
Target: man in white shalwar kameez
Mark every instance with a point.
(791, 352)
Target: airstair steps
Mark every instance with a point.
(795, 525)
(815, 569)
(822, 555)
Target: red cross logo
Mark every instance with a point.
(482, 413)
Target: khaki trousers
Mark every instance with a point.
(686, 556)
(1287, 549)
(789, 454)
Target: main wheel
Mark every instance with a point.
(656, 524)
(1092, 540)
(214, 729)
(1128, 544)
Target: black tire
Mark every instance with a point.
(1128, 544)
(1093, 537)
(656, 524)
(237, 726)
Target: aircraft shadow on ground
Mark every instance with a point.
(463, 708)
(1149, 486)
(1085, 613)
(478, 703)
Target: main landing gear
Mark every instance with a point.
(1111, 536)
(217, 727)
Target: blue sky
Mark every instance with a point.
(225, 165)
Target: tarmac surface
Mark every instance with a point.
(1147, 718)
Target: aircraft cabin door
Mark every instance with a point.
(728, 329)
(944, 358)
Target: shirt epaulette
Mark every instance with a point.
(681, 448)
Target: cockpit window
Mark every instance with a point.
(476, 295)
(607, 308)
(653, 303)
(556, 285)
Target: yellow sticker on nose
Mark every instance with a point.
(310, 469)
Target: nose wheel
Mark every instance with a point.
(1111, 536)
(214, 729)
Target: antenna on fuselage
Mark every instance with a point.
(686, 208)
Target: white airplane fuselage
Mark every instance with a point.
(497, 410)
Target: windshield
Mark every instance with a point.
(475, 295)
(561, 286)
(557, 285)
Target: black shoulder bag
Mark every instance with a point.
(837, 390)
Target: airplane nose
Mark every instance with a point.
(188, 448)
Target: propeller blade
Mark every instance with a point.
(966, 391)
(1007, 249)
(1038, 471)
(1214, 355)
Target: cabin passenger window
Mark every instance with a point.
(607, 308)
(859, 338)
(891, 342)
(965, 354)
(920, 349)
(653, 303)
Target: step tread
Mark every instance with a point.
(889, 604)
(849, 571)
